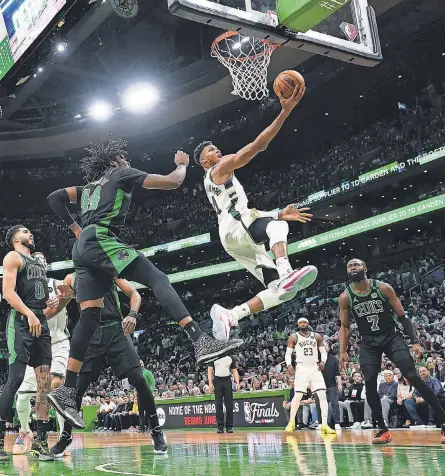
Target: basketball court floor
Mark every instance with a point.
(247, 453)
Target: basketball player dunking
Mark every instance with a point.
(374, 304)
(243, 231)
(307, 346)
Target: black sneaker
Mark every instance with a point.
(61, 445)
(229, 430)
(40, 448)
(63, 399)
(208, 350)
(159, 440)
(220, 429)
(3, 455)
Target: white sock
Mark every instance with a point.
(239, 312)
(61, 422)
(283, 266)
(23, 407)
(295, 402)
(323, 403)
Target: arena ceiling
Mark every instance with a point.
(105, 52)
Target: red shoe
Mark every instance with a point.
(382, 437)
(442, 434)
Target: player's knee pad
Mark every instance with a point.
(269, 298)
(277, 232)
(408, 370)
(89, 320)
(16, 376)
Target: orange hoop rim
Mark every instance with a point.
(230, 33)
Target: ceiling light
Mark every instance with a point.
(237, 46)
(61, 47)
(39, 69)
(77, 116)
(326, 113)
(389, 229)
(399, 76)
(140, 97)
(101, 111)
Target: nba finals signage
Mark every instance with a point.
(248, 412)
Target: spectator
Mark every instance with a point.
(405, 391)
(417, 407)
(388, 391)
(333, 383)
(354, 396)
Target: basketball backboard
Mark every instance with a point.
(348, 34)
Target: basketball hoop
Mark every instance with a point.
(247, 59)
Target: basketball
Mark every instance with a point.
(286, 82)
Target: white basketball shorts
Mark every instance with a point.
(60, 353)
(308, 376)
(238, 243)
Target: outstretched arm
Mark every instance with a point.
(59, 200)
(172, 180)
(235, 161)
(344, 332)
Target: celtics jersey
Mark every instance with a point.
(106, 201)
(111, 312)
(371, 311)
(32, 283)
(228, 200)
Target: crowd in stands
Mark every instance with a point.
(402, 137)
(261, 366)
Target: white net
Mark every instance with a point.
(247, 59)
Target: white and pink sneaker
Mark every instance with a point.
(222, 322)
(296, 281)
(23, 443)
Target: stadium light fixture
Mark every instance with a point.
(101, 111)
(39, 69)
(61, 47)
(140, 97)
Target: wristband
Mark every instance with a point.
(134, 314)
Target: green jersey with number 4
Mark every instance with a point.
(106, 201)
(371, 311)
(32, 283)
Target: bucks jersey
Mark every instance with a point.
(106, 201)
(32, 283)
(228, 200)
(371, 311)
(57, 324)
(306, 349)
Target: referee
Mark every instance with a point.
(219, 376)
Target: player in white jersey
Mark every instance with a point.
(60, 349)
(307, 346)
(244, 231)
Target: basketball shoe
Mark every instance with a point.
(23, 443)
